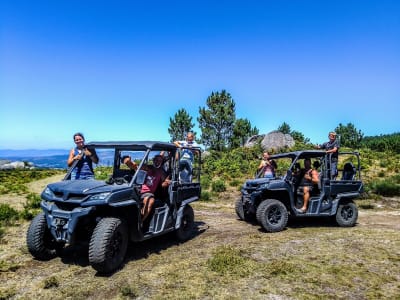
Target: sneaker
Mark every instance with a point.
(300, 211)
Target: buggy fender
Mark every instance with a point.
(180, 210)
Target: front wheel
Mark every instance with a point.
(239, 209)
(272, 215)
(184, 232)
(108, 245)
(41, 244)
(347, 214)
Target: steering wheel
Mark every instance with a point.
(121, 180)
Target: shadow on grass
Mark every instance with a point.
(141, 250)
(78, 254)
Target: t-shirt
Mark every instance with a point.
(187, 153)
(153, 180)
(329, 146)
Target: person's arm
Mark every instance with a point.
(166, 181)
(92, 154)
(333, 150)
(178, 144)
(72, 157)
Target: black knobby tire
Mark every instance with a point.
(272, 215)
(346, 214)
(242, 213)
(41, 244)
(108, 245)
(185, 230)
(239, 209)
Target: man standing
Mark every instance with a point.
(332, 146)
(187, 156)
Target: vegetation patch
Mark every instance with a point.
(227, 260)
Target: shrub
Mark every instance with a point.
(235, 182)
(33, 201)
(218, 186)
(205, 195)
(386, 187)
(205, 182)
(7, 213)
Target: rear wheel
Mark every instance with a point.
(347, 214)
(41, 244)
(108, 245)
(184, 232)
(272, 215)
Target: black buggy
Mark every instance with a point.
(272, 201)
(105, 214)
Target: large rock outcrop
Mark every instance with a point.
(12, 165)
(275, 140)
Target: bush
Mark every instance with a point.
(205, 182)
(7, 213)
(218, 186)
(205, 195)
(387, 187)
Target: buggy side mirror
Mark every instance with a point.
(140, 177)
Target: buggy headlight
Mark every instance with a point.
(48, 193)
(100, 196)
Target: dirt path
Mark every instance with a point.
(17, 201)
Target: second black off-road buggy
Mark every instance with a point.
(272, 201)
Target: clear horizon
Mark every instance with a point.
(120, 71)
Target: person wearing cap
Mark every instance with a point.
(154, 178)
(332, 146)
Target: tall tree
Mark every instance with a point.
(180, 125)
(284, 128)
(216, 121)
(241, 132)
(349, 135)
(296, 135)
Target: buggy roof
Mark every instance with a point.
(300, 154)
(134, 145)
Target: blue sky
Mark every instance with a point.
(118, 70)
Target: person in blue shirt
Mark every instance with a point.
(267, 166)
(186, 156)
(83, 158)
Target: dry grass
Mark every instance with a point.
(226, 259)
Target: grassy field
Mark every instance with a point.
(225, 259)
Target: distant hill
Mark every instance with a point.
(7, 153)
(49, 158)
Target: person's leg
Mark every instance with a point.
(185, 170)
(306, 197)
(147, 205)
(334, 169)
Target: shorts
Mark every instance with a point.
(148, 194)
